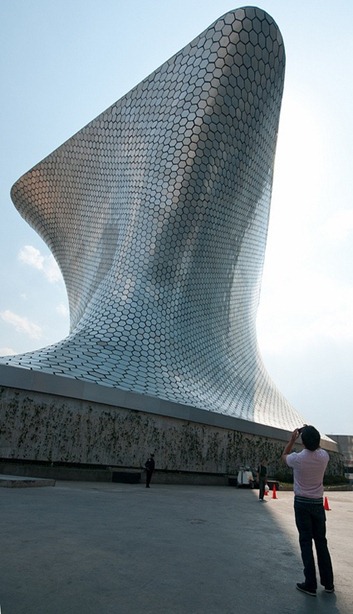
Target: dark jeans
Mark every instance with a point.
(262, 483)
(310, 519)
(148, 477)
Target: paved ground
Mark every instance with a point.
(82, 548)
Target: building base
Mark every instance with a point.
(57, 421)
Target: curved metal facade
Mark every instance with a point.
(157, 213)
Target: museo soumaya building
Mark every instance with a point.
(157, 214)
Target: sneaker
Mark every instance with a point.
(329, 589)
(301, 587)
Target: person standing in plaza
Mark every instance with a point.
(149, 466)
(261, 478)
(309, 467)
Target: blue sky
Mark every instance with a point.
(63, 62)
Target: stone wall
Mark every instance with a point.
(36, 426)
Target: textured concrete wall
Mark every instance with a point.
(42, 427)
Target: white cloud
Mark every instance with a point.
(298, 183)
(7, 351)
(46, 264)
(51, 269)
(338, 227)
(21, 324)
(305, 307)
(62, 310)
(31, 256)
(303, 302)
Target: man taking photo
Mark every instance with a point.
(309, 467)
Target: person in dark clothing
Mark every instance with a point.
(261, 478)
(149, 466)
(309, 467)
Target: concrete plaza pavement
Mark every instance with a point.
(82, 548)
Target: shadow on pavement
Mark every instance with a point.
(123, 549)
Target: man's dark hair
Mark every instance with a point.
(310, 438)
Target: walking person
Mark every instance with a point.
(262, 478)
(149, 466)
(309, 467)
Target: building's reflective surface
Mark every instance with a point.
(157, 213)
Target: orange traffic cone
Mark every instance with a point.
(274, 492)
(326, 505)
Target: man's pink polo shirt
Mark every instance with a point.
(308, 472)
